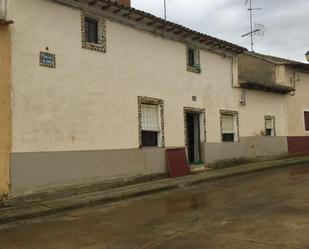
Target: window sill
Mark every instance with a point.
(194, 69)
(230, 141)
(151, 147)
(94, 46)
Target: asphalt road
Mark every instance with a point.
(267, 210)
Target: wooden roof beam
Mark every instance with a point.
(140, 18)
(91, 2)
(170, 29)
(106, 7)
(116, 11)
(127, 14)
(186, 35)
(178, 32)
(151, 23)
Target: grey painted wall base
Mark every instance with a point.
(247, 147)
(32, 172)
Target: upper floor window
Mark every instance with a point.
(229, 126)
(93, 32)
(270, 126)
(306, 118)
(193, 60)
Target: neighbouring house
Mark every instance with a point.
(270, 73)
(96, 90)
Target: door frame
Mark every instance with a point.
(202, 127)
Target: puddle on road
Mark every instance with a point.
(182, 204)
(304, 169)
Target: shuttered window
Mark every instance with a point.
(269, 124)
(150, 118)
(227, 124)
(306, 114)
(228, 128)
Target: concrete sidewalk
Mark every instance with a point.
(26, 210)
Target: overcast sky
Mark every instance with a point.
(286, 22)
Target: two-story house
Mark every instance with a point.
(96, 90)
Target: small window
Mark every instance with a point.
(270, 126)
(150, 125)
(91, 30)
(193, 60)
(228, 128)
(191, 57)
(306, 117)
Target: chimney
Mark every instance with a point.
(126, 3)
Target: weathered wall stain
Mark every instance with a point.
(5, 107)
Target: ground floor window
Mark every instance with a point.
(150, 122)
(270, 126)
(229, 126)
(150, 125)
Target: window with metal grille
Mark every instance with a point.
(306, 117)
(91, 30)
(228, 128)
(149, 138)
(150, 125)
(270, 126)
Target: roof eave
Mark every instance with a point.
(161, 26)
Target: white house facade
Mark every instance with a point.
(100, 90)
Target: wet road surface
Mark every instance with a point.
(267, 210)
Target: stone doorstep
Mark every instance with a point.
(197, 168)
(47, 207)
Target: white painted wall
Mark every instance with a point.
(297, 104)
(89, 102)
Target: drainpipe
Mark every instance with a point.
(3, 9)
(232, 61)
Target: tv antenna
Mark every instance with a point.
(258, 29)
(165, 11)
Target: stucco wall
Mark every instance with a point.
(247, 147)
(54, 169)
(89, 101)
(256, 69)
(297, 104)
(5, 107)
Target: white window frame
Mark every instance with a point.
(143, 100)
(159, 130)
(273, 120)
(234, 115)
